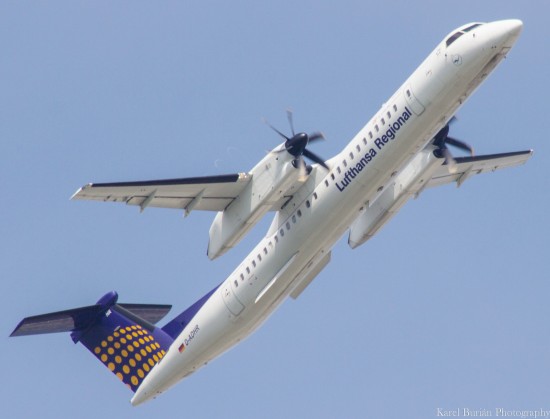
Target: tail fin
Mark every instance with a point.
(122, 336)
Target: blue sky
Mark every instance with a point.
(446, 307)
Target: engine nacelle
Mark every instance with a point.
(408, 183)
(273, 178)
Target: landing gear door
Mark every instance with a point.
(230, 300)
(412, 101)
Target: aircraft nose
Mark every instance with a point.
(507, 31)
(512, 27)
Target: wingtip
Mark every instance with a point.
(14, 332)
(75, 195)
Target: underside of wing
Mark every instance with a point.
(426, 170)
(469, 166)
(209, 193)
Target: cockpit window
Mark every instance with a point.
(454, 37)
(469, 28)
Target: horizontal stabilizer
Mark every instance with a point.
(152, 313)
(82, 317)
(121, 336)
(60, 321)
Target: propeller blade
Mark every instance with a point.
(303, 169)
(312, 156)
(441, 136)
(449, 160)
(290, 121)
(275, 129)
(316, 136)
(296, 146)
(460, 144)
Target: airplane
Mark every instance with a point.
(400, 152)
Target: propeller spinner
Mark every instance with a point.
(297, 146)
(442, 139)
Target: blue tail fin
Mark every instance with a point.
(122, 336)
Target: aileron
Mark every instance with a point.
(466, 167)
(209, 193)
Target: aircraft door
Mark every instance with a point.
(412, 100)
(230, 299)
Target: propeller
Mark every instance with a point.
(297, 145)
(442, 139)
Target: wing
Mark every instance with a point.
(209, 193)
(390, 201)
(469, 166)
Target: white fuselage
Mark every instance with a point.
(321, 211)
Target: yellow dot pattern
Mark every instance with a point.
(130, 363)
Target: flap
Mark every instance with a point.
(469, 166)
(208, 193)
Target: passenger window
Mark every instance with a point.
(395, 108)
(365, 141)
(315, 195)
(282, 232)
(236, 283)
(247, 270)
(326, 183)
(358, 148)
(308, 204)
(370, 135)
(265, 250)
(299, 212)
(338, 169)
(351, 155)
(242, 277)
(383, 121)
(276, 239)
(294, 219)
(345, 163)
(376, 128)
(287, 225)
(332, 176)
(259, 257)
(254, 263)
(388, 114)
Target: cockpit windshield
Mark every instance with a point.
(469, 28)
(458, 34)
(454, 37)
